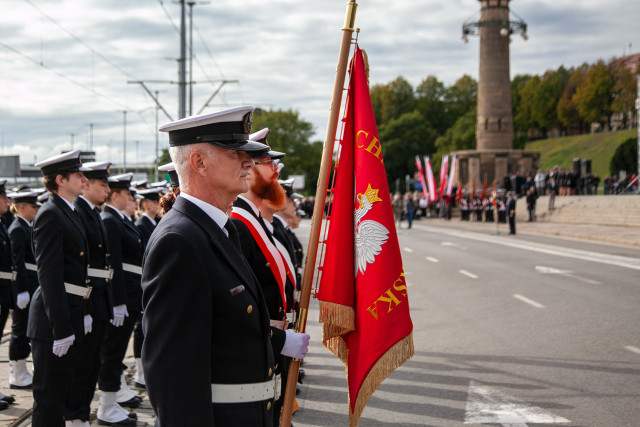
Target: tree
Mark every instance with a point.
(524, 118)
(392, 100)
(594, 95)
(430, 102)
(567, 109)
(625, 158)
(461, 136)
(401, 140)
(461, 97)
(546, 98)
(519, 129)
(291, 134)
(624, 91)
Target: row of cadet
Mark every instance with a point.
(72, 277)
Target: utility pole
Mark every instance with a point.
(638, 120)
(137, 163)
(155, 172)
(124, 141)
(191, 3)
(181, 66)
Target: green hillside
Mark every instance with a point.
(599, 147)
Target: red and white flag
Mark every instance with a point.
(431, 181)
(443, 174)
(424, 187)
(363, 296)
(451, 176)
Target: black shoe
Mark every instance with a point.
(125, 422)
(297, 391)
(301, 374)
(3, 405)
(20, 387)
(139, 385)
(132, 403)
(132, 415)
(8, 399)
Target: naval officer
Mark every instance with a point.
(207, 335)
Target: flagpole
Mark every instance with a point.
(318, 210)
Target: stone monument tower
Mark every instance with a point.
(494, 156)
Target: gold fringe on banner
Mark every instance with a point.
(394, 357)
(338, 347)
(337, 319)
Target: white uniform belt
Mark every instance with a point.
(254, 392)
(100, 274)
(31, 266)
(280, 324)
(131, 268)
(82, 291)
(8, 275)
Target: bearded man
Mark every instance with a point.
(260, 249)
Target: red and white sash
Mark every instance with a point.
(273, 255)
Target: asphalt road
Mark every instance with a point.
(508, 330)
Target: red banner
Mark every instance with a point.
(363, 293)
(421, 178)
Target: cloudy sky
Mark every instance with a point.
(65, 64)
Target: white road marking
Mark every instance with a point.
(620, 261)
(455, 245)
(633, 349)
(466, 273)
(486, 405)
(432, 259)
(528, 301)
(408, 249)
(566, 273)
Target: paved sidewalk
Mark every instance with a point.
(615, 234)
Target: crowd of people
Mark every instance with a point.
(203, 273)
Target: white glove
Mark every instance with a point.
(88, 322)
(296, 344)
(22, 301)
(119, 313)
(60, 347)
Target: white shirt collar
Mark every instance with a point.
(153, 221)
(25, 221)
(73, 208)
(119, 213)
(269, 226)
(256, 211)
(214, 213)
(91, 205)
(284, 223)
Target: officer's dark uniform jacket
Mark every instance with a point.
(61, 252)
(125, 246)
(145, 227)
(299, 255)
(21, 239)
(205, 321)
(100, 303)
(280, 233)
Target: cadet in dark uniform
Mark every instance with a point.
(58, 318)
(126, 250)
(511, 211)
(25, 205)
(264, 257)
(150, 205)
(96, 190)
(205, 321)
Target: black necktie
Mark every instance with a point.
(233, 234)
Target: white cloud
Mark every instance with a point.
(283, 52)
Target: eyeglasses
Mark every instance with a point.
(274, 163)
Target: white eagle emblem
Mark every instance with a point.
(370, 235)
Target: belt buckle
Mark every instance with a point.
(14, 276)
(88, 294)
(110, 273)
(277, 379)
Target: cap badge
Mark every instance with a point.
(246, 123)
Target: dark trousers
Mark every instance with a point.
(113, 351)
(52, 378)
(84, 381)
(6, 304)
(138, 338)
(512, 224)
(19, 346)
